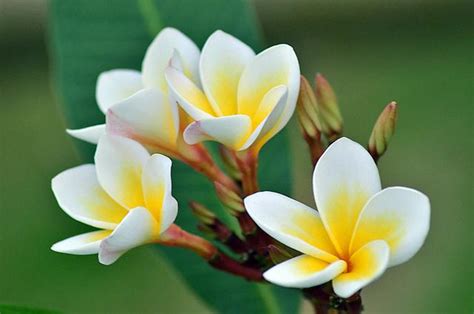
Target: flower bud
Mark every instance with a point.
(278, 254)
(207, 230)
(307, 110)
(230, 199)
(383, 131)
(330, 115)
(202, 213)
(230, 163)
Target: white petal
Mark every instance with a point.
(267, 116)
(83, 244)
(156, 181)
(223, 59)
(119, 163)
(343, 181)
(292, 223)
(274, 66)
(89, 134)
(365, 266)
(188, 95)
(398, 215)
(303, 272)
(232, 131)
(147, 117)
(79, 194)
(160, 52)
(116, 85)
(138, 227)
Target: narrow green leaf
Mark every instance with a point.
(151, 16)
(14, 309)
(89, 37)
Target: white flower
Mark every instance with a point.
(127, 194)
(138, 105)
(358, 231)
(246, 99)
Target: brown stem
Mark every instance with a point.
(225, 263)
(175, 236)
(316, 148)
(324, 301)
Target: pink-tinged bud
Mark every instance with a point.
(330, 115)
(229, 199)
(308, 112)
(202, 213)
(383, 130)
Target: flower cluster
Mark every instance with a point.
(228, 94)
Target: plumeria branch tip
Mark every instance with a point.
(226, 93)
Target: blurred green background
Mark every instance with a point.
(418, 53)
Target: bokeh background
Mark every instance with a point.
(418, 53)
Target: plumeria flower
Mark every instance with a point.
(245, 98)
(138, 104)
(358, 231)
(127, 195)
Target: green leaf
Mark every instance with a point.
(13, 309)
(88, 37)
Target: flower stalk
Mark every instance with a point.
(199, 158)
(177, 237)
(247, 161)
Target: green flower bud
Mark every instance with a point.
(383, 130)
(330, 115)
(230, 199)
(202, 213)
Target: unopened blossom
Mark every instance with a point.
(126, 194)
(245, 98)
(358, 231)
(137, 104)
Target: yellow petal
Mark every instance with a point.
(137, 228)
(274, 66)
(156, 181)
(223, 59)
(231, 131)
(159, 53)
(188, 95)
(79, 194)
(364, 266)
(303, 272)
(83, 244)
(119, 163)
(292, 223)
(344, 179)
(147, 117)
(398, 215)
